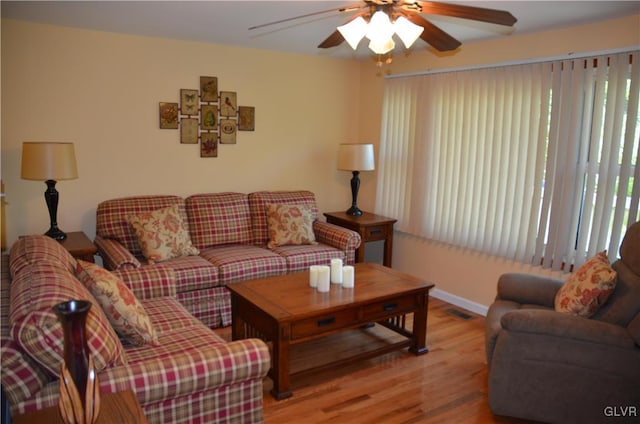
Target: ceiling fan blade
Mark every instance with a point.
(333, 40)
(336, 38)
(339, 9)
(433, 35)
(493, 16)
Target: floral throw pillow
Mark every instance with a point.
(123, 310)
(588, 288)
(162, 234)
(289, 225)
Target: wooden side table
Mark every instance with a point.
(80, 246)
(371, 227)
(120, 407)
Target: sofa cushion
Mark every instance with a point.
(29, 249)
(289, 225)
(21, 375)
(588, 288)
(300, 258)
(211, 306)
(219, 218)
(36, 328)
(111, 217)
(624, 303)
(259, 200)
(162, 234)
(193, 273)
(241, 262)
(123, 310)
(191, 360)
(168, 314)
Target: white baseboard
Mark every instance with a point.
(459, 301)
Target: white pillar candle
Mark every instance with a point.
(348, 274)
(313, 276)
(336, 271)
(323, 278)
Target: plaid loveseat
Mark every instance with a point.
(190, 375)
(231, 232)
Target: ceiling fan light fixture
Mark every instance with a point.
(380, 29)
(354, 31)
(383, 47)
(407, 31)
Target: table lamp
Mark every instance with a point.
(49, 162)
(355, 158)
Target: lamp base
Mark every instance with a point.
(354, 211)
(51, 197)
(56, 233)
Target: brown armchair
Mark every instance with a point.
(558, 368)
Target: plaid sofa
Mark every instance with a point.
(231, 232)
(190, 376)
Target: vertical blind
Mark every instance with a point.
(534, 162)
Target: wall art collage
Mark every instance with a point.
(207, 116)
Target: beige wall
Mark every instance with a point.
(102, 90)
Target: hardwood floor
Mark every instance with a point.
(447, 385)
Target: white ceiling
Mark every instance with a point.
(227, 22)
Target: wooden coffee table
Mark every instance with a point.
(285, 311)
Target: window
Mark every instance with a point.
(534, 162)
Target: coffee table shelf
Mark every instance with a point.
(286, 311)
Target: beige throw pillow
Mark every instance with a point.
(123, 310)
(162, 234)
(289, 225)
(588, 288)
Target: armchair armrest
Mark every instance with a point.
(223, 364)
(149, 281)
(339, 237)
(528, 289)
(565, 326)
(115, 255)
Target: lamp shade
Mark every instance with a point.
(407, 30)
(382, 48)
(354, 31)
(44, 161)
(356, 157)
(380, 28)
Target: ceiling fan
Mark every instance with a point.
(411, 10)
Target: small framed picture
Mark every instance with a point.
(209, 89)
(209, 117)
(188, 102)
(168, 115)
(228, 131)
(246, 118)
(209, 145)
(228, 104)
(188, 131)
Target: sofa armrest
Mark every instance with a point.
(568, 327)
(528, 289)
(339, 237)
(115, 255)
(149, 281)
(165, 378)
